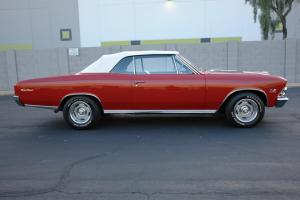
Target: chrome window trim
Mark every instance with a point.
(160, 111)
(133, 60)
(180, 58)
(182, 64)
(174, 63)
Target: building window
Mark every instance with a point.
(65, 34)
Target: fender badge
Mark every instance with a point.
(273, 90)
(26, 90)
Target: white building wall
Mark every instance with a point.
(37, 23)
(118, 20)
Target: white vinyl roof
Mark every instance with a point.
(106, 63)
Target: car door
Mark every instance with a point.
(162, 82)
(115, 88)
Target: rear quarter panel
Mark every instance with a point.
(109, 88)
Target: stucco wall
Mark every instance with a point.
(278, 57)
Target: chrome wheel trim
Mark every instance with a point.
(80, 112)
(246, 110)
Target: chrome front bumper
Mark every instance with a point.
(17, 100)
(281, 101)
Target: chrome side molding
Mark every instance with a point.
(17, 100)
(39, 106)
(160, 111)
(55, 108)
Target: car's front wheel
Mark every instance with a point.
(245, 110)
(81, 112)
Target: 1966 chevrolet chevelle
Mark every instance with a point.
(153, 82)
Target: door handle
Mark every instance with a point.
(136, 83)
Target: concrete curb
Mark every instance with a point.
(6, 93)
(292, 85)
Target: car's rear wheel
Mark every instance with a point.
(245, 110)
(81, 112)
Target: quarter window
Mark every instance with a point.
(182, 69)
(124, 66)
(155, 64)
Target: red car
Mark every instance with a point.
(153, 82)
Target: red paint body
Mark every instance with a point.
(204, 91)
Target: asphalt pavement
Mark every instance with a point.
(151, 157)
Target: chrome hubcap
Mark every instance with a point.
(246, 110)
(80, 112)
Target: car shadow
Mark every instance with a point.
(123, 129)
(145, 123)
(161, 121)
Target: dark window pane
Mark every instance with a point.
(124, 66)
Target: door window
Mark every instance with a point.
(155, 64)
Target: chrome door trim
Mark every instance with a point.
(160, 111)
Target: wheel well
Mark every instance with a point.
(92, 97)
(260, 94)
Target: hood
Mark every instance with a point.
(238, 74)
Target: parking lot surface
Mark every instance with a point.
(149, 157)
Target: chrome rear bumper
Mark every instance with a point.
(17, 100)
(281, 101)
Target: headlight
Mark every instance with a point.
(283, 92)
